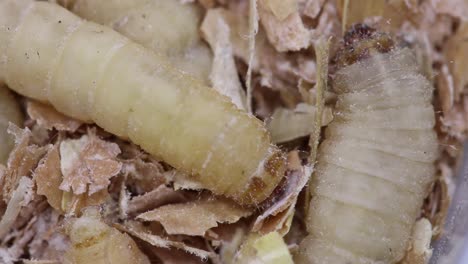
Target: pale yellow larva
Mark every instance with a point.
(376, 162)
(169, 27)
(93, 241)
(10, 111)
(92, 73)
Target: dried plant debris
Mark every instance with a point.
(253, 31)
(453, 79)
(47, 117)
(392, 13)
(160, 196)
(20, 198)
(137, 230)
(281, 209)
(195, 218)
(286, 33)
(420, 250)
(23, 159)
(87, 164)
(437, 204)
(48, 178)
(70, 189)
(224, 77)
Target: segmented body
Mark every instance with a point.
(375, 165)
(92, 73)
(169, 27)
(93, 241)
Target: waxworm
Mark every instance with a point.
(9, 112)
(93, 241)
(376, 162)
(92, 73)
(169, 27)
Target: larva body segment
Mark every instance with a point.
(168, 27)
(92, 73)
(375, 165)
(9, 112)
(93, 241)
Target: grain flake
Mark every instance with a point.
(195, 218)
(49, 118)
(88, 163)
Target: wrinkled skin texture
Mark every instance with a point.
(374, 166)
(164, 26)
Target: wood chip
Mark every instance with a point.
(195, 218)
(23, 159)
(20, 197)
(274, 217)
(281, 8)
(420, 250)
(160, 196)
(135, 229)
(88, 163)
(223, 76)
(48, 177)
(289, 34)
(49, 118)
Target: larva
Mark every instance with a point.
(376, 162)
(9, 112)
(165, 26)
(93, 241)
(94, 74)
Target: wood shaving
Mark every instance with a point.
(195, 218)
(88, 163)
(289, 34)
(144, 175)
(160, 196)
(322, 51)
(312, 8)
(20, 197)
(182, 181)
(274, 217)
(253, 30)
(23, 159)
(137, 230)
(420, 250)
(455, 8)
(457, 47)
(391, 13)
(437, 205)
(48, 117)
(48, 177)
(223, 76)
(48, 242)
(281, 8)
